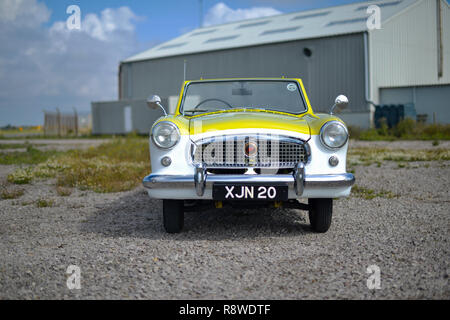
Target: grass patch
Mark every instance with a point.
(114, 166)
(20, 130)
(14, 193)
(30, 156)
(43, 203)
(9, 136)
(4, 146)
(369, 194)
(407, 129)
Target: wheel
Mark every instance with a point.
(173, 215)
(320, 213)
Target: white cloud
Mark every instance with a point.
(221, 13)
(48, 67)
(23, 12)
(105, 26)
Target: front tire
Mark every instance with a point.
(320, 213)
(173, 215)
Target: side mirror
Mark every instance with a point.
(340, 103)
(154, 102)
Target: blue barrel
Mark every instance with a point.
(394, 113)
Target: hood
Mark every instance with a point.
(248, 120)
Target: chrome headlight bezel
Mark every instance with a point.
(167, 124)
(323, 131)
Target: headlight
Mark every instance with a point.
(333, 134)
(165, 134)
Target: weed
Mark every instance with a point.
(63, 192)
(21, 176)
(43, 203)
(369, 194)
(13, 193)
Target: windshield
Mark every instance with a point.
(204, 97)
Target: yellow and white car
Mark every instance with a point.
(252, 142)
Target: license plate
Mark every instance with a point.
(249, 192)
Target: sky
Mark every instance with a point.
(44, 65)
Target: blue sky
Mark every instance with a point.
(44, 65)
(163, 20)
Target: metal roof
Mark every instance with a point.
(309, 24)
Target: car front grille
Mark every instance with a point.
(257, 151)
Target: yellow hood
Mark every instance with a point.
(247, 120)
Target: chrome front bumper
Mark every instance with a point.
(199, 185)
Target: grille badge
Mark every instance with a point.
(251, 149)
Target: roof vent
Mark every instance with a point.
(254, 24)
(280, 30)
(334, 23)
(199, 33)
(170, 46)
(312, 15)
(221, 39)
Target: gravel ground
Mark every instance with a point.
(118, 242)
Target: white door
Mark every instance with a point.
(128, 123)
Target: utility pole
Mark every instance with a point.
(75, 121)
(58, 119)
(201, 13)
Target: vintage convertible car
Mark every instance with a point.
(247, 142)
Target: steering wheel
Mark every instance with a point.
(213, 99)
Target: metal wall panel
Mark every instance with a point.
(404, 52)
(336, 66)
(109, 116)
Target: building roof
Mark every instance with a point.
(324, 22)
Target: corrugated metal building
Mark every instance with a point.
(331, 49)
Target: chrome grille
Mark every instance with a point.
(272, 151)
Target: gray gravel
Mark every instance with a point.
(118, 242)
